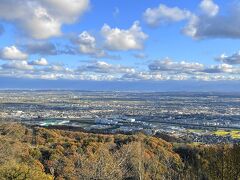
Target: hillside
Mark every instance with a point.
(40, 153)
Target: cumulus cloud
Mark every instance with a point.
(169, 65)
(39, 62)
(44, 18)
(232, 59)
(223, 68)
(57, 68)
(124, 39)
(104, 67)
(208, 23)
(12, 53)
(164, 14)
(214, 25)
(87, 45)
(143, 76)
(101, 70)
(190, 29)
(154, 76)
(209, 8)
(40, 47)
(217, 78)
(193, 69)
(17, 65)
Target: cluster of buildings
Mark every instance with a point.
(125, 112)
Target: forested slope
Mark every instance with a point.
(40, 153)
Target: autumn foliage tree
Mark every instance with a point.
(40, 153)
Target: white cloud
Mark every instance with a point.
(214, 27)
(164, 14)
(44, 18)
(40, 62)
(104, 67)
(207, 77)
(191, 28)
(233, 59)
(209, 23)
(100, 70)
(43, 25)
(87, 45)
(18, 65)
(40, 47)
(154, 76)
(194, 70)
(12, 53)
(124, 39)
(209, 7)
(213, 24)
(143, 76)
(66, 10)
(57, 68)
(169, 65)
(222, 68)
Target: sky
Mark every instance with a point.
(142, 44)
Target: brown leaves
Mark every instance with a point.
(78, 155)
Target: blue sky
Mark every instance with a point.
(120, 40)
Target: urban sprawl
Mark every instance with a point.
(192, 117)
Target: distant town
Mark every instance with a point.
(207, 118)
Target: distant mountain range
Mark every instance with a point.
(161, 86)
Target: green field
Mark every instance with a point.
(233, 133)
